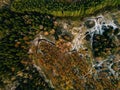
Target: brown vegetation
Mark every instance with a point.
(4, 2)
(68, 71)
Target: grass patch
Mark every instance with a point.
(63, 9)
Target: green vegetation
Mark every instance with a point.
(23, 21)
(63, 8)
(16, 32)
(104, 45)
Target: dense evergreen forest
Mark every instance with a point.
(16, 32)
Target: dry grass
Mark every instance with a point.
(68, 71)
(4, 2)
